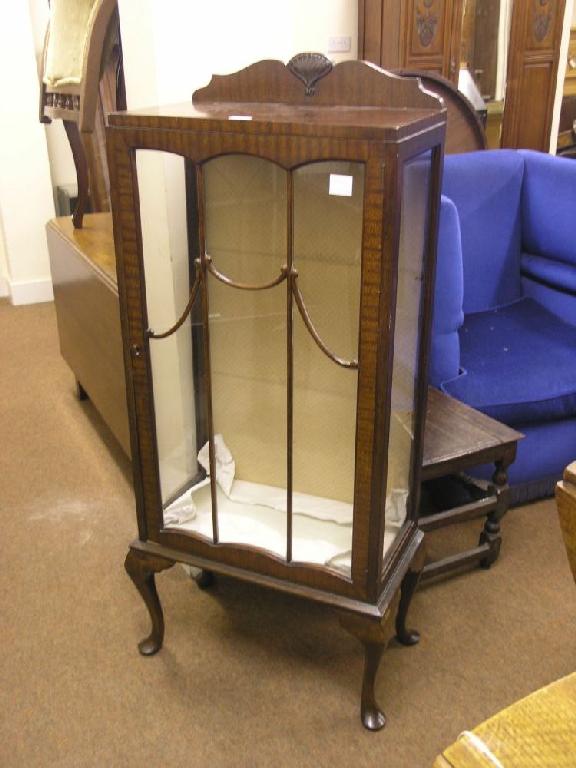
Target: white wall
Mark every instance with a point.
(25, 190)
(4, 285)
(62, 168)
(173, 47)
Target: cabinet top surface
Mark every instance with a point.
(369, 122)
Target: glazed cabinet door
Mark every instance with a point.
(254, 319)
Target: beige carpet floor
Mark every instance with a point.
(246, 677)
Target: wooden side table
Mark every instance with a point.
(83, 268)
(537, 731)
(458, 438)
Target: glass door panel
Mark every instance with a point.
(246, 246)
(245, 202)
(328, 211)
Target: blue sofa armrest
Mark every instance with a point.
(448, 298)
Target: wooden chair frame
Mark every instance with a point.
(77, 104)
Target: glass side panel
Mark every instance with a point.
(413, 240)
(161, 182)
(328, 210)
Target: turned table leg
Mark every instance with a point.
(491, 534)
(141, 568)
(374, 635)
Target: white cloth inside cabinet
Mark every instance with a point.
(255, 514)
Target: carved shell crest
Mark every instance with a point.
(310, 67)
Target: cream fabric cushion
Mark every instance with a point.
(70, 21)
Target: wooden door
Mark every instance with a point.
(535, 35)
(412, 34)
(431, 36)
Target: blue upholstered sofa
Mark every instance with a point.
(504, 333)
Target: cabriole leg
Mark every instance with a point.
(374, 636)
(370, 713)
(409, 587)
(141, 568)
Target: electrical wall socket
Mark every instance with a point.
(339, 44)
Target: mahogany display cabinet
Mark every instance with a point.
(275, 245)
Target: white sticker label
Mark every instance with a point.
(240, 117)
(340, 185)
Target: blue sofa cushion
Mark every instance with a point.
(519, 364)
(560, 303)
(486, 188)
(550, 272)
(548, 214)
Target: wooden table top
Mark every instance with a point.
(538, 731)
(457, 435)
(94, 242)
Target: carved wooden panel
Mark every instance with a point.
(412, 34)
(541, 23)
(432, 32)
(535, 37)
(426, 27)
